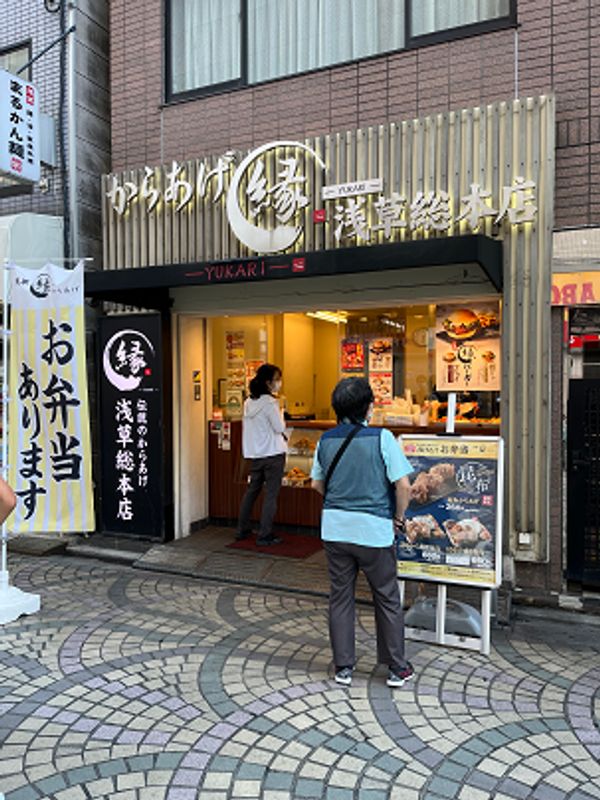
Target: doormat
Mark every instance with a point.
(292, 546)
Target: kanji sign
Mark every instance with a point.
(131, 424)
(266, 194)
(49, 437)
(19, 128)
(453, 529)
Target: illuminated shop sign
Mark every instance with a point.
(266, 194)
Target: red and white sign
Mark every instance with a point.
(19, 128)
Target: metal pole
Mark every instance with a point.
(45, 50)
(486, 609)
(440, 617)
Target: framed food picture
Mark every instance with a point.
(453, 531)
(467, 347)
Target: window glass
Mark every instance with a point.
(205, 43)
(13, 60)
(412, 356)
(430, 16)
(287, 36)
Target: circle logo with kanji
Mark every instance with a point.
(128, 358)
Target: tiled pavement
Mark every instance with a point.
(130, 684)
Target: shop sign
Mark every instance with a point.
(266, 213)
(131, 411)
(19, 128)
(468, 348)
(353, 189)
(454, 518)
(49, 436)
(575, 288)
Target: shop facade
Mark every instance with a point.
(348, 253)
(576, 359)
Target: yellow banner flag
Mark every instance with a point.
(49, 450)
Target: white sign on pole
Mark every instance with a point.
(19, 128)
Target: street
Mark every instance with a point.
(130, 684)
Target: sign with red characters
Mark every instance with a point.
(19, 128)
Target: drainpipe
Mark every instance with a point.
(72, 133)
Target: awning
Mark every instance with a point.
(149, 287)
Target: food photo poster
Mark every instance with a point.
(467, 347)
(454, 515)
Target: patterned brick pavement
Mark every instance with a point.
(134, 685)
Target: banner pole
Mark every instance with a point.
(13, 601)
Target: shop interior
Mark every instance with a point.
(412, 355)
(395, 348)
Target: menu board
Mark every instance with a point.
(382, 384)
(352, 355)
(454, 518)
(467, 347)
(381, 355)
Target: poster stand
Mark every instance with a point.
(13, 602)
(439, 636)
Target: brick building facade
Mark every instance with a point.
(31, 25)
(551, 50)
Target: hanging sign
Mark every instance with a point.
(131, 424)
(454, 518)
(467, 347)
(49, 437)
(19, 128)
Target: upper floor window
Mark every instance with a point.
(432, 16)
(220, 44)
(14, 58)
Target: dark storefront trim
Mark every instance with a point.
(126, 285)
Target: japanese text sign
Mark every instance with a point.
(454, 518)
(19, 128)
(131, 424)
(265, 196)
(467, 347)
(49, 436)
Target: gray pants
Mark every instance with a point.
(379, 566)
(267, 471)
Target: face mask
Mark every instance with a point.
(276, 387)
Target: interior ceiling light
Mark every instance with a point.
(337, 317)
(391, 323)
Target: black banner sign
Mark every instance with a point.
(131, 417)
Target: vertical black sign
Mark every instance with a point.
(131, 425)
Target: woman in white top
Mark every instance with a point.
(264, 446)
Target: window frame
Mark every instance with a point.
(510, 20)
(26, 44)
(213, 88)
(460, 31)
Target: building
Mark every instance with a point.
(59, 216)
(453, 145)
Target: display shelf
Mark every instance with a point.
(301, 451)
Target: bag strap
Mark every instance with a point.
(338, 455)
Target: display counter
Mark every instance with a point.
(299, 505)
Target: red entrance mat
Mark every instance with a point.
(292, 546)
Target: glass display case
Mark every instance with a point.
(301, 451)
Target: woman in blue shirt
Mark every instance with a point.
(365, 497)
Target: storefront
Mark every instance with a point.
(350, 254)
(576, 302)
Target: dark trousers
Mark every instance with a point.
(379, 566)
(267, 471)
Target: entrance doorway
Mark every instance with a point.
(583, 470)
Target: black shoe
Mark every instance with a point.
(398, 678)
(241, 535)
(268, 541)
